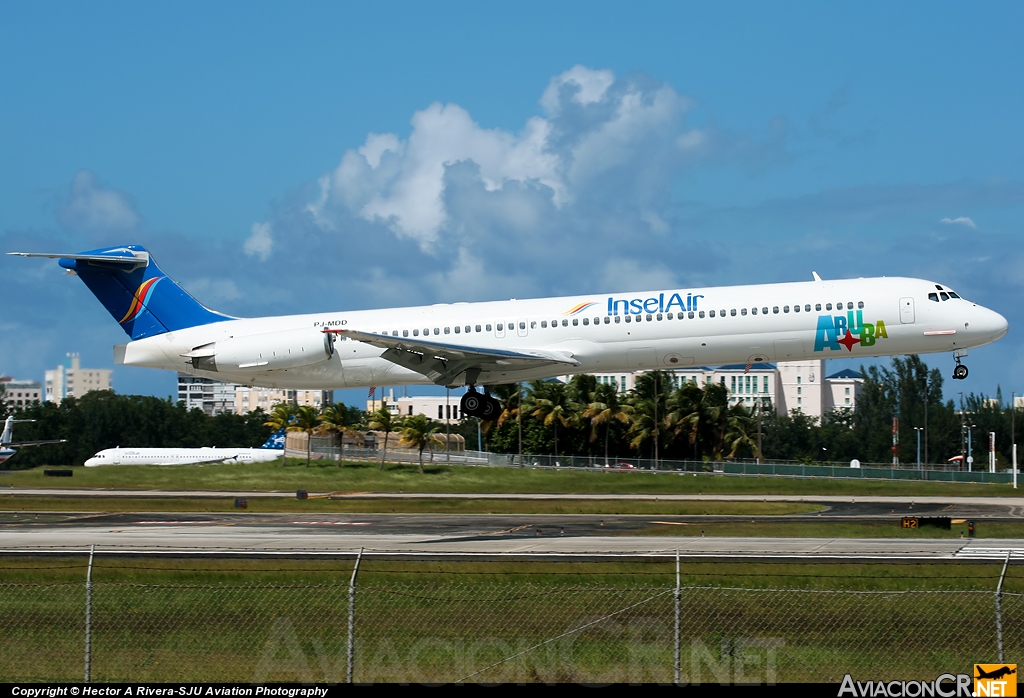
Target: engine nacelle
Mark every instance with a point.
(264, 352)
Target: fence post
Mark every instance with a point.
(88, 615)
(676, 638)
(352, 617)
(999, 607)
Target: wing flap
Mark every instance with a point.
(442, 362)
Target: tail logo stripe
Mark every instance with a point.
(142, 296)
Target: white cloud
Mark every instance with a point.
(962, 220)
(585, 86)
(598, 129)
(259, 243)
(90, 207)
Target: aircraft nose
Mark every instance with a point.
(990, 324)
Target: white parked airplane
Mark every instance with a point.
(7, 446)
(516, 340)
(181, 456)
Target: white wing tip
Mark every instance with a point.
(815, 275)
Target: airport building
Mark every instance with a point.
(215, 397)
(440, 408)
(71, 380)
(21, 394)
(791, 385)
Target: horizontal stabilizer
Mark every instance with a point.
(122, 257)
(23, 444)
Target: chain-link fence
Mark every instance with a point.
(495, 632)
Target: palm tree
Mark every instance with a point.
(383, 420)
(334, 420)
(699, 415)
(508, 397)
(280, 417)
(550, 405)
(419, 432)
(739, 425)
(649, 410)
(682, 418)
(605, 408)
(307, 419)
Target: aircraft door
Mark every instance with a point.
(906, 310)
(522, 327)
(116, 457)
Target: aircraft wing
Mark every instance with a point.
(442, 362)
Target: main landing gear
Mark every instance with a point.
(482, 406)
(959, 371)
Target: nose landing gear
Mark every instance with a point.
(959, 371)
(483, 406)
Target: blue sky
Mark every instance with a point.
(297, 157)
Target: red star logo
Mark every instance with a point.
(848, 341)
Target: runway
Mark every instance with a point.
(532, 535)
(442, 535)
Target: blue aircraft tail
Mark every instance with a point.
(133, 289)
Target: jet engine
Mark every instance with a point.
(264, 352)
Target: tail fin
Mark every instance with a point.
(8, 435)
(133, 289)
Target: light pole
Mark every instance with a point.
(927, 396)
(918, 430)
(760, 404)
(970, 453)
(656, 419)
(519, 419)
(963, 430)
(1013, 433)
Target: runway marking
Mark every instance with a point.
(508, 530)
(988, 553)
(175, 523)
(331, 523)
(674, 523)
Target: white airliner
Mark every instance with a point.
(181, 456)
(7, 446)
(517, 340)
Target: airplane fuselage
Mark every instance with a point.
(181, 456)
(630, 331)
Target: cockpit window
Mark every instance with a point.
(953, 295)
(943, 295)
(933, 297)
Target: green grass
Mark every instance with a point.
(322, 505)
(325, 476)
(285, 620)
(827, 529)
(852, 576)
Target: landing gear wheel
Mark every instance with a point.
(490, 409)
(960, 372)
(472, 403)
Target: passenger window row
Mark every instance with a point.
(618, 319)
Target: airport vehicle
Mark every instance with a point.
(8, 447)
(489, 343)
(181, 456)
